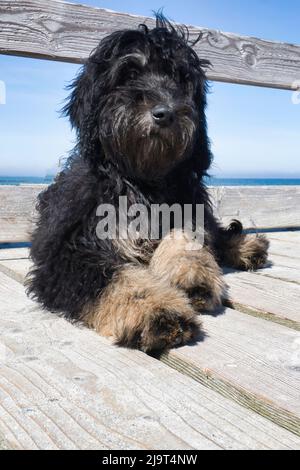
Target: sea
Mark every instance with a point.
(17, 180)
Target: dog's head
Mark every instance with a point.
(139, 101)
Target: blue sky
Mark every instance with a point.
(254, 131)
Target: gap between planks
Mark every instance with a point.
(269, 297)
(255, 402)
(281, 206)
(256, 361)
(17, 269)
(210, 379)
(254, 312)
(67, 387)
(255, 294)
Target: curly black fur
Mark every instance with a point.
(120, 152)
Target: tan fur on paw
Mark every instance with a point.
(166, 329)
(140, 311)
(194, 271)
(247, 252)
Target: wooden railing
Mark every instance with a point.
(68, 32)
(259, 208)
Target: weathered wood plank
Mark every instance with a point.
(244, 322)
(253, 356)
(14, 262)
(16, 269)
(245, 289)
(258, 206)
(269, 295)
(68, 32)
(285, 248)
(17, 211)
(280, 208)
(284, 257)
(13, 253)
(63, 386)
(290, 236)
(283, 267)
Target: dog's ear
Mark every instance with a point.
(79, 102)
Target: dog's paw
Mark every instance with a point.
(166, 329)
(207, 296)
(141, 311)
(200, 276)
(194, 271)
(253, 253)
(204, 284)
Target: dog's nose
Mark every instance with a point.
(162, 115)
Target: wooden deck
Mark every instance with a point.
(65, 387)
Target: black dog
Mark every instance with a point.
(139, 110)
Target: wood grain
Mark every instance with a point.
(280, 208)
(283, 268)
(245, 292)
(68, 32)
(290, 236)
(14, 253)
(16, 269)
(65, 387)
(284, 257)
(251, 354)
(258, 206)
(276, 338)
(286, 248)
(17, 205)
(271, 295)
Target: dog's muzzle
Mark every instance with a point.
(162, 115)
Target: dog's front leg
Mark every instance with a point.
(140, 311)
(185, 264)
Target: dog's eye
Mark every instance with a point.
(133, 74)
(185, 76)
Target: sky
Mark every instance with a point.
(254, 131)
